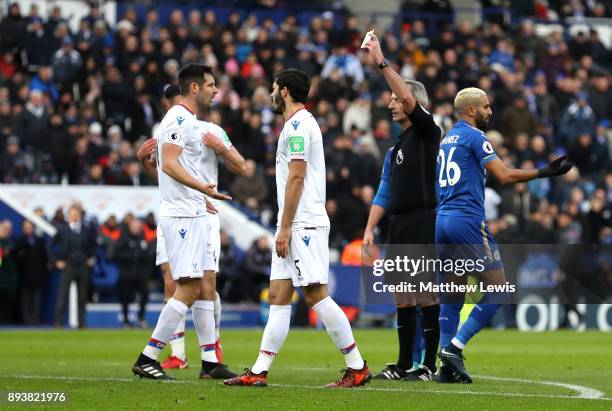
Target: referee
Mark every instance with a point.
(407, 191)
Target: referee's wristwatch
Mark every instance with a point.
(385, 63)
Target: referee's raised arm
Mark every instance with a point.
(394, 80)
(414, 106)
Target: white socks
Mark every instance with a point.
(217, 316)
(203, 312)
(177, 343)
(167, 322)
(274, 336)
(339, 329)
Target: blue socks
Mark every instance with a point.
(449, 322)
(479, 318)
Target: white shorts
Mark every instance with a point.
(308, 259)
(215, 243)
(187, 241)
(160, 248)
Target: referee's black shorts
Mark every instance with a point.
(412, 234)
(413, 227)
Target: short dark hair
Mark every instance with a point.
(171, 91)
(192, 73)
(296, 81)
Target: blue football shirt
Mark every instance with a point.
(463, 154)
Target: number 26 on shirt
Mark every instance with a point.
(450, 172)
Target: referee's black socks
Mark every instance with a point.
(431, 334)
(406, 329)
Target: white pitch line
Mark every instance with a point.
(317, 387)
(584, 392)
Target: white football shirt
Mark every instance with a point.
(209, 167)
(301, 139)
(179, 126)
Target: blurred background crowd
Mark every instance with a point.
(75, 106)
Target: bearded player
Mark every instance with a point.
(185, 224)
(217, 140)
(301, 254)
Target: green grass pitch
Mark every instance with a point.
(511, 370)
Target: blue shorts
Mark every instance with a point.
(466, 237)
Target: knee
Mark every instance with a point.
(187, 293)
(310, 300)
(312, 297)
(273, 297)
(276, 297)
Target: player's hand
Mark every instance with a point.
(214, 142)
(146, 149)
(557, 167)
(60, 264)
(283, 239)
(210, 208)
(91, 261)
(368, 241)
(209, 190)
(373, 47)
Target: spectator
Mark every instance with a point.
(12, 28)
(578, 119)
(229, 263)
(8, 274)
(13, 166)
(600, 97)
(250, 189)
(75, 249)
(43, 82)
(67, 63)
(37, 44)
(348, 64)
(30, 257)
(257, 268)
(32, 123)
(516, 118)
(589, 155)
(133, 256)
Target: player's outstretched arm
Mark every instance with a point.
(394, 80)
(293, 192)
(506, 175)
(146, 158)
(174, 169)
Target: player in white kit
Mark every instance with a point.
(301, 254)
(183, 219)
(216, 139)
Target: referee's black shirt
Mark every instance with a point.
(413, 165)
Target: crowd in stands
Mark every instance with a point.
(116, 259)
(75, 105)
